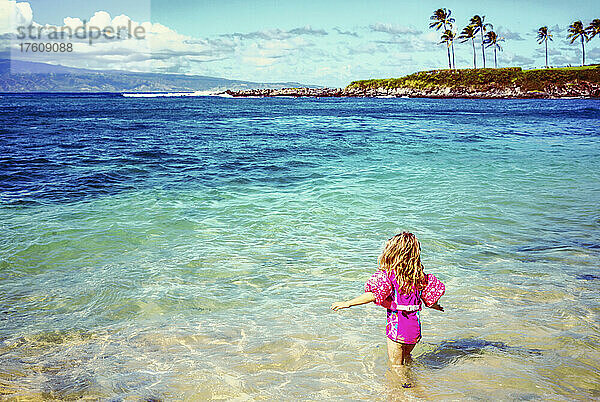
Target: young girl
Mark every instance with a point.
(400, 285)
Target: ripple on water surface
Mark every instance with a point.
(190, 248)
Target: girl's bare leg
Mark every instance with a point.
(406, 349)
(399, 354)
(394, 352)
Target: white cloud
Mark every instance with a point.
(13, 14)
(72, 22)
(511, 59)
(307, 30)
(508, 34)
(394, 30)
(277, 34)
(347, 33)
(100, 19)
(259, 61)
(124, 21)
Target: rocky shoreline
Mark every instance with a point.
(568, 90)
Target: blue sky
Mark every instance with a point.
(317, 42)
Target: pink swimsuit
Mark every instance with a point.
(403, 323)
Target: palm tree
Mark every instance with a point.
(576, 31)
(544, 36)
(593, 29)
(491, 40)
(448, 38)
(441, 19)
(480, 26)
(452, 45)
(467, 33)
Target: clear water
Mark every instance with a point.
(191, 247)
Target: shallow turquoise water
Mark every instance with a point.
(191, 247)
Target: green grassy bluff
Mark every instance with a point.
(488, 82)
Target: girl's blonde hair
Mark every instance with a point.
(402, 255)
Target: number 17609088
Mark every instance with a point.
(45, 47)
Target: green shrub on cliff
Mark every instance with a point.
(484, 78)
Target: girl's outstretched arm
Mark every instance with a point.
(365, 298)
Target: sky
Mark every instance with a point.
(327, 43)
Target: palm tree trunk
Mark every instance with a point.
(546, 52)
(583, 48)
(448, 49)
(495, 60)
(453, 62)
(474, 58)
(482, 48)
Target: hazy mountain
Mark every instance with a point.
(28, 76)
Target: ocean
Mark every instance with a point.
(190, 247)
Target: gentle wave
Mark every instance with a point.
(185, 247)
(174, 94)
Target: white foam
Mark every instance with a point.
(173, 94)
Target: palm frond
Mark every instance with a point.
(441, 18)
(543, 35)
(593, 29)
(576, 31)
(492, 39)
(448, 37)
(467, 33)
(437, 25)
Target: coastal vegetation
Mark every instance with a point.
(481, 26)
(492, 83)
(489, 38)
(577, 31)
(448, 38)
(527, 80)
(441, 19)
(543, 37)
(468, 33)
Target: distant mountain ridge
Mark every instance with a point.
(43, 77)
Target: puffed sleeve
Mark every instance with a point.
(380, 285)
(434, 290)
